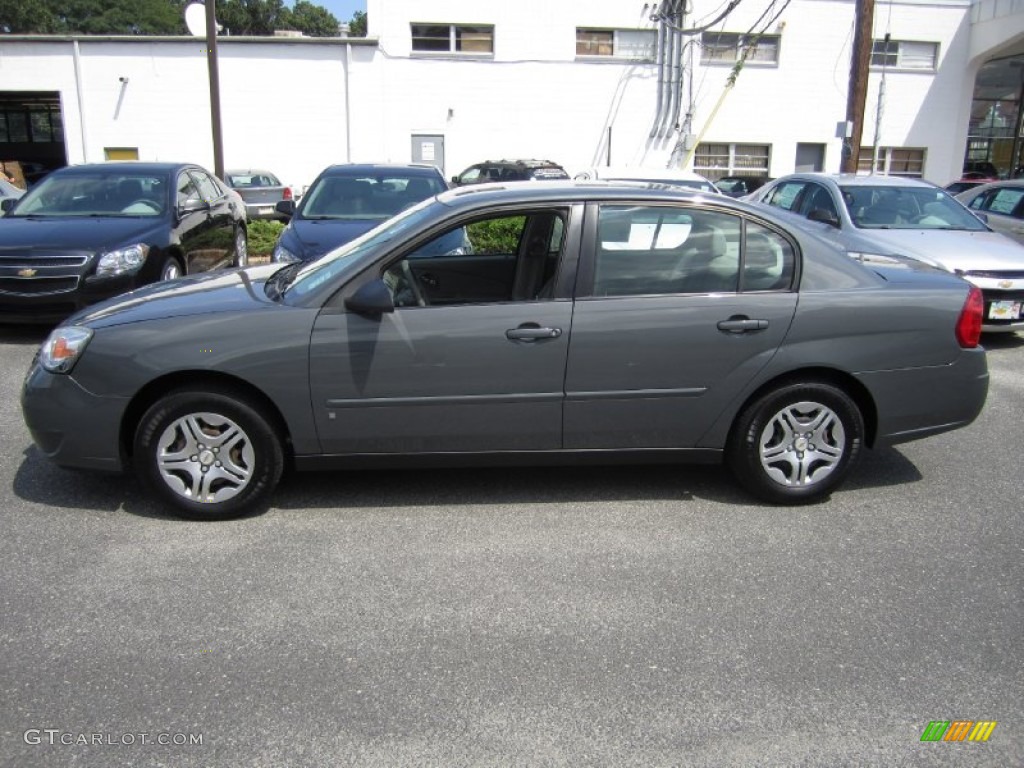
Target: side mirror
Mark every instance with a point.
(455, 180)
(373, 299)
(192, 205)
(287, 207)
(824, 217)
(8, 204)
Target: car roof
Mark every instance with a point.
(126, 166)
(526, 163)
(858, 180)
(638, 172)
(551, 192)
(253, 171)
(346, 168)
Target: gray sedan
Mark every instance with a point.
(588, 323)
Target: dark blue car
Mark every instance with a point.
(346, 201)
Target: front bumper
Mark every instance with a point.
(37, 302)
(70, 425)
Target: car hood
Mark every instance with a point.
(950, 249)
(318, 236)
(44, 234)
(236, 290)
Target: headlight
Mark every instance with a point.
(283, 256)
(122, 261)
(63, 347)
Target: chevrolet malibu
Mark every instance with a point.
(587, 323)
(89, 232)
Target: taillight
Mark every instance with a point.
(968, 325)
(287, 193)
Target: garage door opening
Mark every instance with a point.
(31, 135)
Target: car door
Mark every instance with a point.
(1004, 210)
(212, 246)
(680, 306)
(473, 368)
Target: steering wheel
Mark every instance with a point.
(145, 202)
(413, 285)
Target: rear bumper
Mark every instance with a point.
(919, 402)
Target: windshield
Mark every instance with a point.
(99, 193)
(324, 270)
(373, 196)
(886, 207)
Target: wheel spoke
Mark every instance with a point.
(802, 444)
(205, 457)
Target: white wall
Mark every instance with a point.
(295, 107)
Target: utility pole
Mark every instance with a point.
(211, 60)
(860, 60)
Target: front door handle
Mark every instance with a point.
(742, 325)
(532, 333)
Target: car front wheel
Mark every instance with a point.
(797, 443)
(170, 269)
(209, 454)
(241, 248)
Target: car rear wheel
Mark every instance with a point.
(170, 269)
(797, 443)
(241, 248)
(209, 454)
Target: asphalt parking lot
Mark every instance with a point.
(645, 616)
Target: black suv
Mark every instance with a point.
(510, 170)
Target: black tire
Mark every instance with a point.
(170, 268)
(201, 483)
(241, 247)
(796, 444)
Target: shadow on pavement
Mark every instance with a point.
(39, 481)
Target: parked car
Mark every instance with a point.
(89, 232)
(510, 170)
(673, 176)
(591, 323)
(885, 215)
(956, 187)
(9, 191)
(1001, 205)
(741, 186)
(345, 201)
(261, 190)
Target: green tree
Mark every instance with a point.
(23, 17)
(313, 20)
(357, 25)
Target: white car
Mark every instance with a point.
(889, 215)
(673, 176)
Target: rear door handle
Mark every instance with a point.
(532, 333)
(742, 325)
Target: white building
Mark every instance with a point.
(579, 82)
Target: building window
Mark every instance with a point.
(728, 47)
(903, 54)
(616, 43)
(452, 38)
(893, 161)
(717, 160)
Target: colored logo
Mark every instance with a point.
(27, 272)
(958, 730)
